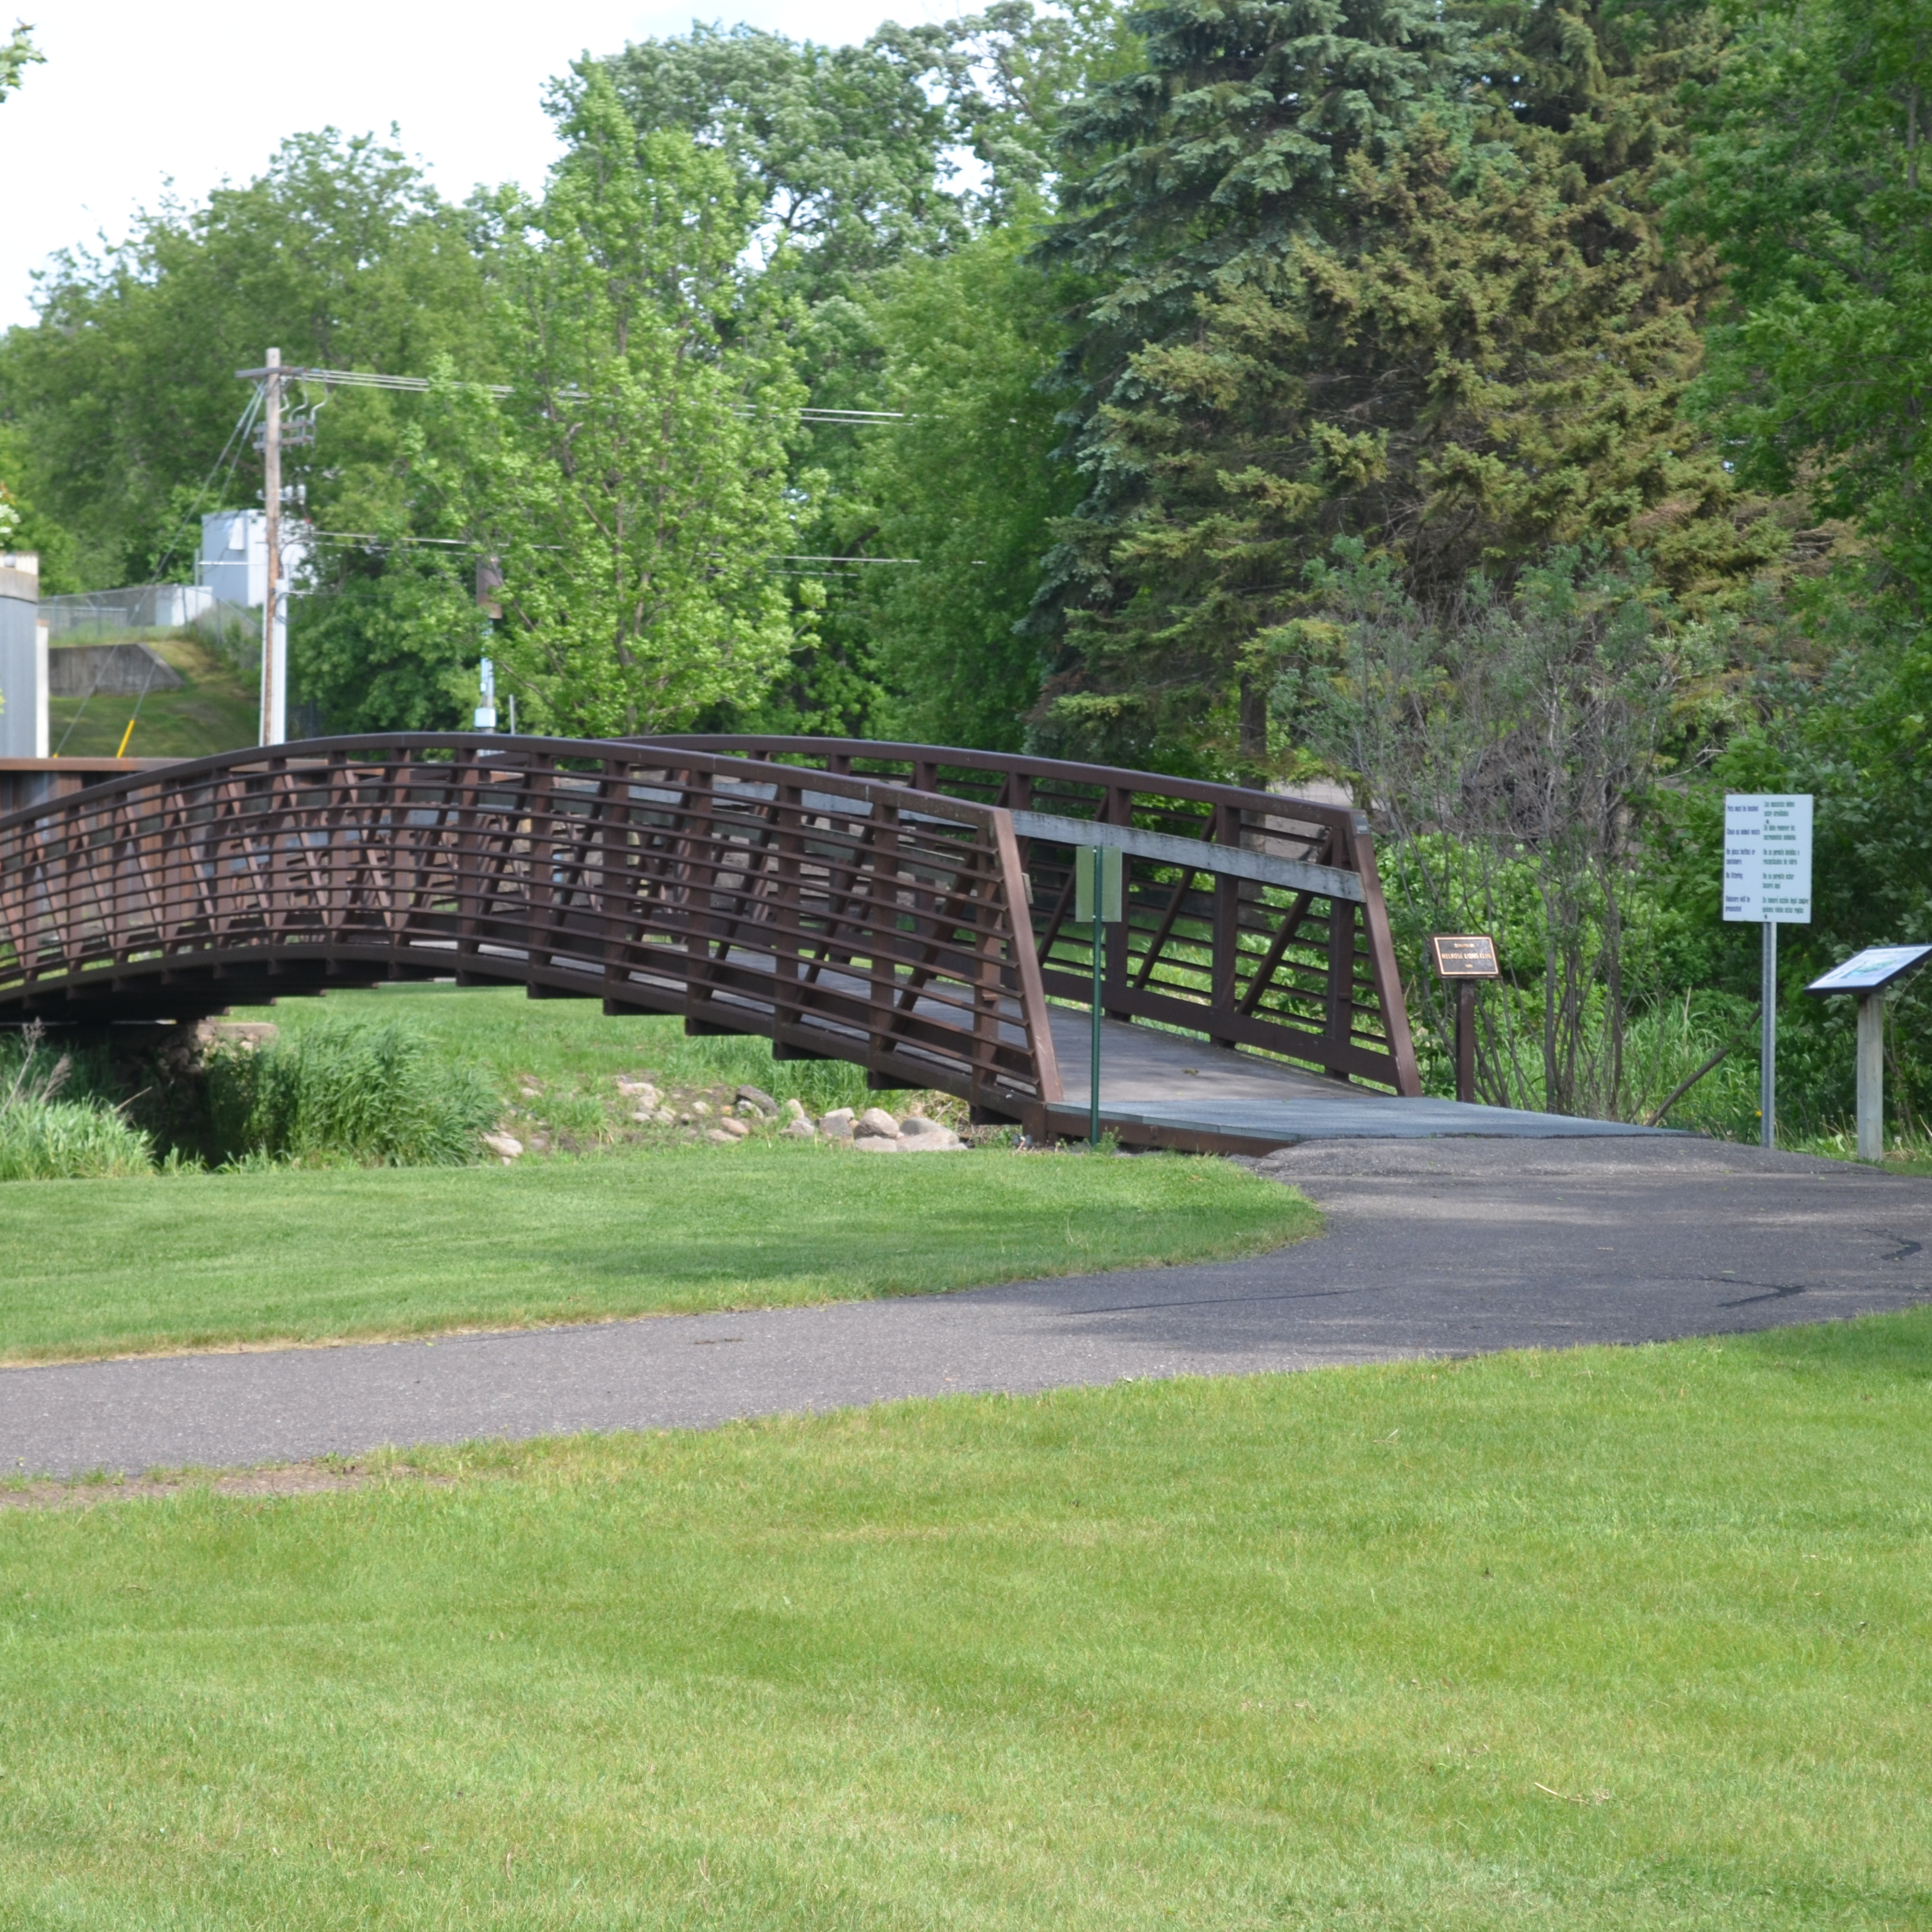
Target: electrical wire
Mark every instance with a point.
(370, 379)
(100, 672)
(243, 424)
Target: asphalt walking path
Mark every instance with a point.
(1448, 1247)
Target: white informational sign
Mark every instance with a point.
(1877, 966)
(1767, 856)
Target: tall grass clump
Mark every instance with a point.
(44, 1137)
(374, 1094)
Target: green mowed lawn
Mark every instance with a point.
(1624, 1639)
(99, 1267)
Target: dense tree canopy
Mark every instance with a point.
(1356, 286)
(1812, 183)
(630, 489)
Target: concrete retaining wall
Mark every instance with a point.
(125, 670)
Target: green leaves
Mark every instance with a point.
(1811, 179)
(631, 486)
(17, 53)
(1374, 275)
(967, 486)
(121, 398)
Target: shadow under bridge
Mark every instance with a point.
(908, 908)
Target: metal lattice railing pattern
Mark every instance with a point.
(838, 915)
(1308, 975)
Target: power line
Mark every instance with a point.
(383, 542)
(243, 424)
(366, 379)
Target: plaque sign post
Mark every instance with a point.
(1461, 958)
(1768, 881)
(1867, 974)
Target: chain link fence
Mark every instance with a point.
(141, 610)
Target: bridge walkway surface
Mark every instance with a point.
(1164, 1087)
(1443, 1246)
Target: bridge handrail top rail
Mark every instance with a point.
(1205, 791)
(324, 751)
(1200, 855)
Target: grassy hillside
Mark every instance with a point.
(216, 709)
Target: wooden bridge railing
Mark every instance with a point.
(1278, 941)
(840, 915)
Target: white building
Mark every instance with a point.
(23, 657)
(234, 561)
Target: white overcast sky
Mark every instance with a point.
(134, 94)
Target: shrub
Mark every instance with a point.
(373, 1094)
(69, 1140)
(43, 1139)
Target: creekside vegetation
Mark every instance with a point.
(1513, 412)
(409, 1075)
(1501, 1643)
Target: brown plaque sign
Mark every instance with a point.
(1469, 956)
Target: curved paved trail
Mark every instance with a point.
(1445, 1246)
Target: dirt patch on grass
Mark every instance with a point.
(283, 1479)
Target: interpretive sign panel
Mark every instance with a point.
(1465, 956)
(1876, 967)
(1768, 857)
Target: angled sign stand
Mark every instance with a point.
(1867, 974)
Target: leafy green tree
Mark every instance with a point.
(841, 150)
(968, 487)
(1371, 274)
(123, 396)
(1808, 182)
(387, 637)
(17, 53)
(632, 485)
(851, 155)
(1812, 180)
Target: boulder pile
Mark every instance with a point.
(722, 1116)
(876, 1132)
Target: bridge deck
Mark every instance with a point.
(1165, 1088)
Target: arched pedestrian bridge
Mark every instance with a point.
(906, 908)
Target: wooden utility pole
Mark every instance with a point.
(274, 653)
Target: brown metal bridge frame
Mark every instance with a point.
(906, 908)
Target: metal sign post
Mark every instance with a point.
(1462, 959)
(1868, 974)
(1097, 875)
(1767, 880)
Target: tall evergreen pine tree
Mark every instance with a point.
(1379, 271)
